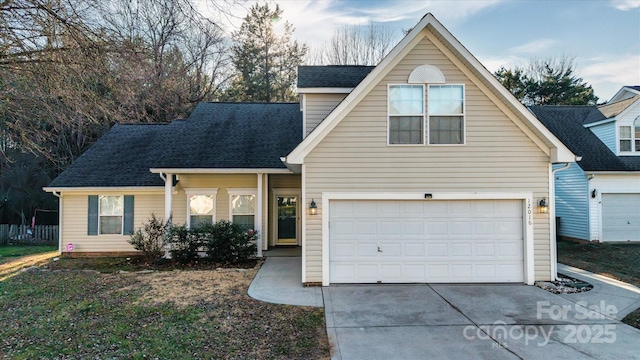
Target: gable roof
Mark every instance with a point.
(610, 110)
(625, 92)
(528, 123)
(566, 122)
(331, 76)
(215, 136)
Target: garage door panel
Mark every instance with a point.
(620, 217)
(460, 250)
(459, 228)
(427, 241)
(415, 249)
(437, 250)
(437, 228)
(485, 249)
(366, 228)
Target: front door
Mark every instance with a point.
(287, 219)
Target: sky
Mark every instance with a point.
(602, 35)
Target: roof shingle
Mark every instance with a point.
(566, 123)
(216, 135)
(332, 76)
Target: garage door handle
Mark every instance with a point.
(379, 249)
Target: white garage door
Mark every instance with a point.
(426, 241)
(621, 217)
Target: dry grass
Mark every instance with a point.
(195, 314)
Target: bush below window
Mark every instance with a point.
(230, 243)
(223, 242)
(150, 239)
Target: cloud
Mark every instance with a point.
(534, 47)
(510, 62)
(607, 74)
(625, 5)
(315, 21)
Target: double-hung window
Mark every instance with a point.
(110, 215)
(629, 137)
(243, 207)
(406, 114)
(201, 206)
(446, 114)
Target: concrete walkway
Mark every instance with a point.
(625, 297)
(463, 321)
(279, 281)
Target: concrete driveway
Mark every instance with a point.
(472, 322)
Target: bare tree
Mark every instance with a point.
(355, 45)
(70, 69)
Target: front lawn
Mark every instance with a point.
(9, 251)
(618, 261)
(54, 312)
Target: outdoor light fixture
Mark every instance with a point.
(313, 208)
(594, 193)
(543, 208)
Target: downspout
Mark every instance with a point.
(59, 196)
(552, 218)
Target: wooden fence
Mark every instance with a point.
(25, 235)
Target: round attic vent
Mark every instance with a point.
(426, 74)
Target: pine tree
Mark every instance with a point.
(547, 82)
(266, 63)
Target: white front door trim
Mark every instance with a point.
(528, 212)
(274, 208)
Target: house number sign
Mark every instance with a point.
(529, 212)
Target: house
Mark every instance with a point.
(598, 197)
(421, 169)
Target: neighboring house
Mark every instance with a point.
(421, 169)
(598, 198)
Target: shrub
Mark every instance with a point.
(185, 243)
(150, 239)
(226, 242)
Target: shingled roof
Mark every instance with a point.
(566, 123)
(332, 76)
(216, 135)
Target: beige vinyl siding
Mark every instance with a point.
(220, 181)
(75, 207)
(317, 107)
(75, 212)
(497, 157)
(284, 181)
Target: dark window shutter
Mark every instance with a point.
(128, 215)
(92, 221)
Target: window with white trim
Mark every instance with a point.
(201, 206)
(446, 114)
(243, 207)
(406, 114)
(629, 137)
(110, 214)
(200, 210)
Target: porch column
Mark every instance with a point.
(168, 187)
(258, 220)
(265, 209)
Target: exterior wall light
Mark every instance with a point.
(543, 208)
(594, 193)
(313, 208)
